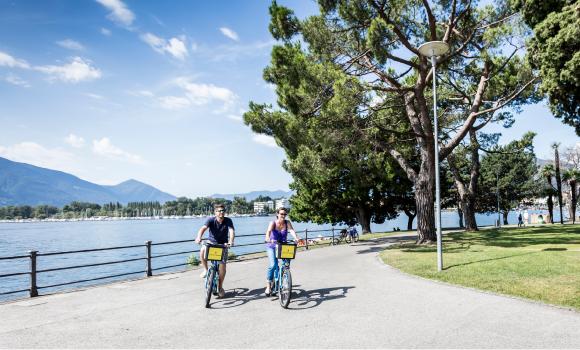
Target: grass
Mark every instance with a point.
(540, 263)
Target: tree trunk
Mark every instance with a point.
(460, 214)
(558, 181)
(424, 199)
(551, 208)
(574, 200)
(505, 216)
(469, 213)
(364, 219)
(410, 218)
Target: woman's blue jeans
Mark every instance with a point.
(273, 263)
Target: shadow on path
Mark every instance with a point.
(301, 299)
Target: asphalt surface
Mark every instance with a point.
(344, 297)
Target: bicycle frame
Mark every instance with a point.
(212, 279)
(214, 265)
(278, 273)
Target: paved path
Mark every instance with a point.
(345, 298)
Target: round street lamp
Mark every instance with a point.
(433, 49)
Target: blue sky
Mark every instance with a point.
(110, 90)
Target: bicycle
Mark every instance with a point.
(214, 254)
(346, 237)
(282, 277)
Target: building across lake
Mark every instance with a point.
(269, 206)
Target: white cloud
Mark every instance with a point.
(229, 33)
(141, 93)
(174, 46)
(265, 140)
(106, 32)
(174, 102)
(70, 44)
(94, 96)
(235, 51)
(120, 13)
(235, 117)
(33, 153)
(8, 61)
(74, 141)
(76, 71)
(16, 80)
(200, 94)
(105, 148)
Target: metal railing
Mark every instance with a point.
(34, 271)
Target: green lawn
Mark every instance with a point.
(539, 263)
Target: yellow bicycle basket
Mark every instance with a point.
(285, 251)
(214, 253)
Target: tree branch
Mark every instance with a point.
(402, 37)
(509, 99)
(448, 148)
(431, 19)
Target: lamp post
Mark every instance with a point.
(433, 49)
(497, 192)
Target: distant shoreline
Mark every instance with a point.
(118, 218)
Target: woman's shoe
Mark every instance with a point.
(268, 291)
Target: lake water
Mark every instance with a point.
(18, 238)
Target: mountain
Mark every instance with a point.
(25, 184)
(136, 191)
(250, 196)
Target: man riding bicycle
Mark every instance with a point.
(221, 231)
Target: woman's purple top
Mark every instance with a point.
(276, 235)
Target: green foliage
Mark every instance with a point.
(192, 260)
(232, 255)
(516, 165)
(283, 23)
(354, 99)
(555, 51)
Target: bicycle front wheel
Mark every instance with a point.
(209, 285)
(355, 238)
(285, 292)
(347, 239)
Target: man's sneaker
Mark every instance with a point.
(203, 273)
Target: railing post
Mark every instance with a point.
(306, 235)
(33, 287)
(332, 236)
(148, 272)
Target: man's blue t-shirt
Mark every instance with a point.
(218, 233)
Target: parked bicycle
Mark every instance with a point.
(214, 254)
(285, 251)
(346, 236)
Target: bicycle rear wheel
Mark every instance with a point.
(285, 292)
(347, 239)
(209, 285)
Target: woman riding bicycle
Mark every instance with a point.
(277, 232)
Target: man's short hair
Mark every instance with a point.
(219, 206)
(281, 208)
